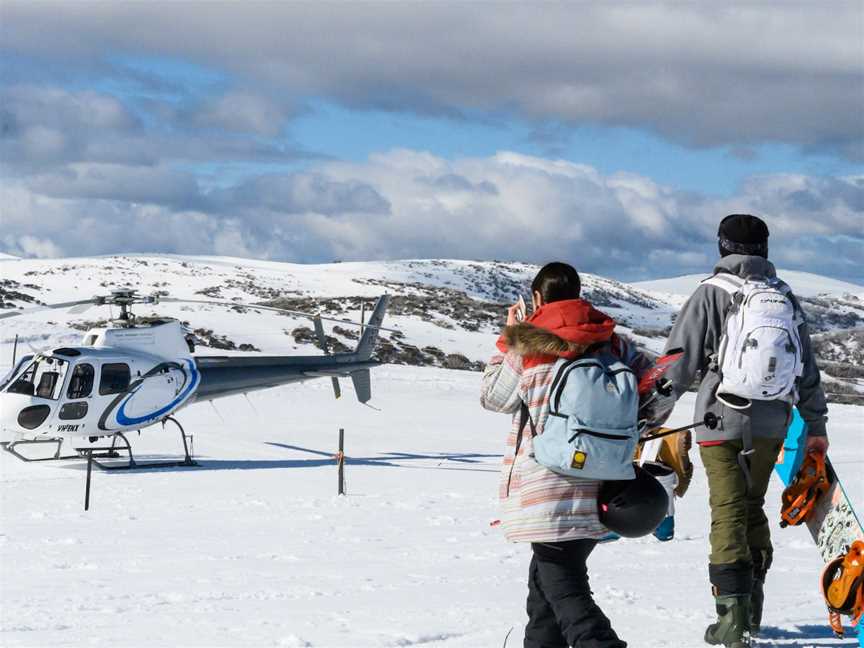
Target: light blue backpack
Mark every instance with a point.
(593, 428)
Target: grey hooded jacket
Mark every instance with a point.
(698, 329)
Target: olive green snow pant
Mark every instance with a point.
(740, 533)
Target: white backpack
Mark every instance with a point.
(760, 356)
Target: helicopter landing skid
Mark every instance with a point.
(9, 446)
(105, 452)
(113, 451)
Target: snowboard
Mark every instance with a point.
(655, 391)
(833, 524)
(661, 364)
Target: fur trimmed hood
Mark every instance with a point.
(562, 329)
(527, 339)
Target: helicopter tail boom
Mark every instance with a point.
(224, 376)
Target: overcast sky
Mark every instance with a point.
(612, 136)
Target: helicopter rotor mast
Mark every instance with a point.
(124, 298)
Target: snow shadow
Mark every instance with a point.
(803, 636)
(396, 459)
(446, 461)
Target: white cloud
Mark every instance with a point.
(700, 73)
(44, 128)
(30, 246)
(406, 203)
(241, 112)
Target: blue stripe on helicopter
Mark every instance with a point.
(122, 419)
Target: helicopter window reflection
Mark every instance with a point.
(81, 382)
(42, 378)
(114, 379)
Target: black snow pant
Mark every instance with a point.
(561, 612)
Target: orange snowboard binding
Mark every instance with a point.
(800, 496)
(843, 587)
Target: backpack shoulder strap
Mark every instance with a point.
(783, 287)
(729, 282)
(524, 416)
(787, 291)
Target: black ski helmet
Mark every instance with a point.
(634, 507)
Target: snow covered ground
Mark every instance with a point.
(254, 548)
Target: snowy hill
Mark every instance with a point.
(447, 306)
(447, 311)
(805, 284)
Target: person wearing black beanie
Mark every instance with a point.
(739, 454)
(743, 234)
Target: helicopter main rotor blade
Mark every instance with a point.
(46, 307)
(80, 308)
(275, 309)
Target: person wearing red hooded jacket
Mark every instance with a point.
(557, 514)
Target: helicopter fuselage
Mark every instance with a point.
(113, 383)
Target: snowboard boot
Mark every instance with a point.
(732, 628)
(666, 531)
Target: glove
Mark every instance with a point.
(817, 444)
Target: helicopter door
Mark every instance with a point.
(156, 392)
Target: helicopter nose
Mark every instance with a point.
(32, 417)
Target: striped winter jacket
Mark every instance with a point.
(539, 505)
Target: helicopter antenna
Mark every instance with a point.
(15, 350)
(216, 409)
(251, 404)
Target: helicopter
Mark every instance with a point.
(138, 372)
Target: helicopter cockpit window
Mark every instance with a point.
(81, 382)
(42, 378)
(47, 383)
(115, 378)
